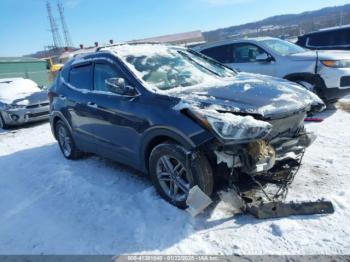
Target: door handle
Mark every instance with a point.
(62, 97)
(92, 104)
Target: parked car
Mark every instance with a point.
(22, 101)
(335, 38)
(327, 73)
(175, 114)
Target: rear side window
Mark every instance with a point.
(222, 53)
(81, 77)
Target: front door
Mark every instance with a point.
(116, 129)
(244, 60)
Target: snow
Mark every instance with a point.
(50, 205)
(17, 88)
(143, 58)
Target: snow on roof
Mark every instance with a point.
(193, 36)
(16, 88)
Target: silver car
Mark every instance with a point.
(21, 101)
(327, 73)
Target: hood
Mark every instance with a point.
(311, 55)
(32, 99)
(253, 94)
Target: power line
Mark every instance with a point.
(66, 34)
(57, 41)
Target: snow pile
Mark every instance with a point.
(16, 88)
(50, 205)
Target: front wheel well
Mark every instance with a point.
(155, 142)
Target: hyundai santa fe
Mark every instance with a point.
(177, 115)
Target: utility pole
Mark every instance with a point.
(57, 41)
(67, 38)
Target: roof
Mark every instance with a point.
(327, 29)
(230, 41)
(18, 59)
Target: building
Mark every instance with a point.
(26, 67)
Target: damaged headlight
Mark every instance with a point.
(229, 126)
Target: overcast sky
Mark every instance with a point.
(24, 26)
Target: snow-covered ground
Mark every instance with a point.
(51, 205)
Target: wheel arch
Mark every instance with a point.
(157, 136)
(54, 118)
(301, 76)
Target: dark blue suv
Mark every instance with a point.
(178, 115)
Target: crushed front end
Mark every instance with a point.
(261, 161)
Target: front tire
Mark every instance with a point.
(171, 177)
(66, 142)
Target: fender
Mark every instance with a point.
(158, 134)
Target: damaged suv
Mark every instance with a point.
(178, 115)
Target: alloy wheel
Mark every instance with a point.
(173, 178)
(65, 141)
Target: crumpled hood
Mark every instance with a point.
(322, 55)
(32, 99)
(253, 94)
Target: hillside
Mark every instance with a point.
(289, 25)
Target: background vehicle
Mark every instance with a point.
(176, 114)
(327, 73)
(21, 101)
(335, 38)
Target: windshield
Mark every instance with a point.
(283, 47)
(167, 68)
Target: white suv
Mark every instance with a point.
(326, 73)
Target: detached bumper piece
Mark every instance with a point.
(280, 209)
(263, 193)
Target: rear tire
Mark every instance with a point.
(170, 177)
(66, 142)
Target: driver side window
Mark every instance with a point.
(102, 72)
(246, 53)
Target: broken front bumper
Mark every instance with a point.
(261, 156)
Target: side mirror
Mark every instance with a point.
(117, 85)
(264, 57)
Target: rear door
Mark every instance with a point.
(76, 97)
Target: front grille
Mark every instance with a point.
(286, 127)
(345, 81)
(37, 105)
(31, 115)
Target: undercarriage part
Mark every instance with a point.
(280, 209)
(263, 195)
